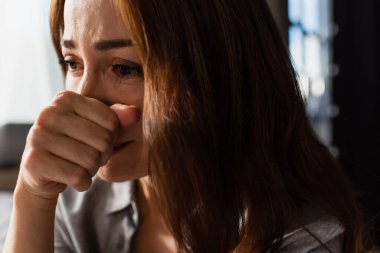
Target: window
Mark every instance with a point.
(310, 35)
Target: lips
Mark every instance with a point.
(118, 147)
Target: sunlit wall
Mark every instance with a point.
(29, 70)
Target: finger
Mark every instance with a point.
(88, 108)
(44, 168)
(82, 130)
(68, 173)
(127, 114)
(71, 150)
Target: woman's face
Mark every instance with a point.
(103, 64)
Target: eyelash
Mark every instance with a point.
(133, 70)
(68, 64)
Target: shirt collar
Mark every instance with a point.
(121, 196)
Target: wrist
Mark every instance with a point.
(26, 198)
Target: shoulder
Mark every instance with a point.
(321, 236)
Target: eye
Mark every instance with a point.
(127, 70)
(70, 65)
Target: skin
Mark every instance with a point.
(93, 127)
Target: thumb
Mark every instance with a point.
(127, 114)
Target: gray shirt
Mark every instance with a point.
(105, 218)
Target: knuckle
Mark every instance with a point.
(46, 116)
(35, 136)
(64, 97)
(39, 140)
(80, 178)
(91, 158)
(31, 160)
(104, 141)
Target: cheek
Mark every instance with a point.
(128, 93)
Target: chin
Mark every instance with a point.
(118, 172)
(129, 163)
(111, 176)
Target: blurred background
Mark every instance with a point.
(334, 47)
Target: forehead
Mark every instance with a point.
(94, 20)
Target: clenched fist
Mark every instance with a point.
(69, 141)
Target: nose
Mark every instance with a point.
(90, 85)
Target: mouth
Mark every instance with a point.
(118, 147)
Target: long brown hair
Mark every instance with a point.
(233, 157)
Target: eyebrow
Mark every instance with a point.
(101, 45)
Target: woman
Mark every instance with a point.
(189, 114)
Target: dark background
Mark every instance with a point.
(356, 91)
